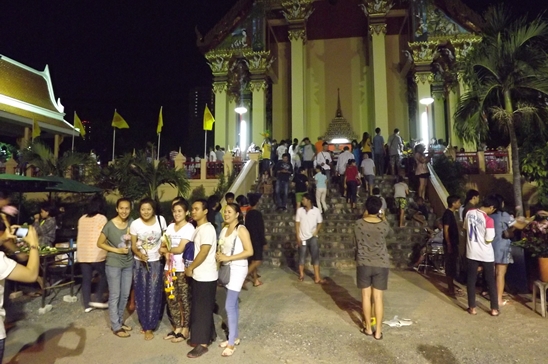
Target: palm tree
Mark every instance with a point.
(507, 75)
(41, 157)
(136, 177)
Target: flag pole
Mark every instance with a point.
(205, 144)
(72, 148)
(113, 142)
(158, 154)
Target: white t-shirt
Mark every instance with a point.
(282, 149)
(228, 242)
(184, 233)
(399, 190)
(368, 167)
(205, 234)
(342, 161)
(212, 156)
(148, 237)
(323, 157)
(480, 232)
(308, 220)
(6, 267)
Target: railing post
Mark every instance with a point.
(203, 169)
(481, 161)
(11, 165)
(254, 156)
(227, 160)
(179, 160)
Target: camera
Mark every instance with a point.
(21, 232)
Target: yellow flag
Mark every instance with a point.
(160, 122)
(208, 119)
(35, 129)
(78, 125)
(118, 121)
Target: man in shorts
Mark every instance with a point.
(372, 262)
(308, 223)
(367, 169)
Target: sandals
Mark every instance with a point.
(149, 335)
(366, 334)
(228, 351)
(321, 281)
(170, 335)
(257, 284)
(178, 337)
(377, 338)
(301, 279)
(495, 313)
(121, 333)
(224, 344)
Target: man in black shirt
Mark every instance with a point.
(301, 185)
(283, 171)
(451, 243)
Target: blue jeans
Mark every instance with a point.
(87, 276)
(232, 313)
(282, 190)
(119, 285)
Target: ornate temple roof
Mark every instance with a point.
(27, 94)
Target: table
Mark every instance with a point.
(50, 260)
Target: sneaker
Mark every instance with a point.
(88, 310)
(98, 304)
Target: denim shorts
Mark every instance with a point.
(311, 244)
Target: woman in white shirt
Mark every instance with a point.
(179, 233)
(234, 248)
(146, 233)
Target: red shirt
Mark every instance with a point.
(351, 173)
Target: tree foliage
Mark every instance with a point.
(135, 177)
(507, 75)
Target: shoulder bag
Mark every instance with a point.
(224, 269)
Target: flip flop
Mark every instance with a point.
(121, 333)
(377, 338)
(321, 281)
(366, 334)
(258, 284)
(228, 351)
(495, 313)
(472, 311)
(301, 279)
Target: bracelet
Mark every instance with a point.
(33, 247)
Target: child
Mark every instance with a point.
(401, 190)
(367, 168)
(377, 192)
(321, 189)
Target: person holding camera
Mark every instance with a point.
(10, 269)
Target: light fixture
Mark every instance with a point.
(241, 109)
(339, 141)
(426, 101)
(424, 127)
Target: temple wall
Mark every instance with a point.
(332, 64)
(398, 114)
(281, 94)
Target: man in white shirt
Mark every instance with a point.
(480, 232)
(282, 149)
(203, 271)
(294, 153)
(323, 159)
(342, 161)
(212, 155)
(367, 168)
(308, 223)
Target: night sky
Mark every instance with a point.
(134, 56)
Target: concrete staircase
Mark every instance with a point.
(337, 235)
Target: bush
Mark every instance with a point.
(197, 194)
(451, 175)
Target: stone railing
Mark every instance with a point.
(484, 162)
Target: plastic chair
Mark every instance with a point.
(542, 286)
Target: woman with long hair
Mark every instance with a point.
(365, 144)
(178, 234)
(421, 170)
(356, 150)
(116, 241)
(234, 249)
(146, 233)
(90, 256)
(45, 225)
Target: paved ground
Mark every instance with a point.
(286, 321)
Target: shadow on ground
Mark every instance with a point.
(437, 354)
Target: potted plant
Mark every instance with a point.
(535, 241)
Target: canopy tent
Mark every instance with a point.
(61, 184)
(17, 183)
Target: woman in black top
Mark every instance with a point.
(255, 225)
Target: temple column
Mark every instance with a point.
(376, 12)
(438, 93)
(298, 121)
(232, 123)
(58, 139)
(219, 62)
(258, 110)
(221, 109)
(296, 12)
(27, 138)
(454, 140)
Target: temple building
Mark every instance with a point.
(28, 105)
(283, 62)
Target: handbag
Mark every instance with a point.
(188, 253)
(224, 269)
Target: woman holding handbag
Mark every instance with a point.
(233, 250)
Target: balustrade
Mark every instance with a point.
(469, 162)
(496, 162)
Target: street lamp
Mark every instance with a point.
(241, 109)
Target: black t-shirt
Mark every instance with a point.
(283, 176)
(423, 210)
(450, 220)
(300, 182)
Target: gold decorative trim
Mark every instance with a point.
(423, 52)
(376, 8)
(422, 77)
(377, 28)
(258, 62)
(219, 61)
(220, 87)
(257, 85)
(297, 11)
(296, 34)
(463, 46)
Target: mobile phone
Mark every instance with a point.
(21, 232)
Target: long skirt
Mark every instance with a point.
(148, 293)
